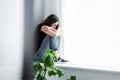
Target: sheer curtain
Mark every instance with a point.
(92, 32)
(43, 8)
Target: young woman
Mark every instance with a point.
(47, 36)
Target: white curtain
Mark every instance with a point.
(92, 32)
(43, 8)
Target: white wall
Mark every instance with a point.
(11, 39)
(88, 74)
(43, 8)
(38, 12)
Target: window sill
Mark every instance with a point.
(87, 67)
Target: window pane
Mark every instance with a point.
(92, 32)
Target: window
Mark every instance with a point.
(92, 32)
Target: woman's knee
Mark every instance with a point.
(50, 37)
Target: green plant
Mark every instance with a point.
(72, 78)
(41, 69)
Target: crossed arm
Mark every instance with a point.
(51, 31)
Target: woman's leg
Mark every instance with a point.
(54, 45)
(48, 43)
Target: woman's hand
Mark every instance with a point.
(59, 32)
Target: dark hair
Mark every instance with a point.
(50, 20)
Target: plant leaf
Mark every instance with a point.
(39, 77)
(60, 73)
(73, 78)
(52, 72)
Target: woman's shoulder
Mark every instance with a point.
(39, 26)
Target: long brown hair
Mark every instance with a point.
(50, 20)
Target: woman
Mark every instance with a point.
(47, 36)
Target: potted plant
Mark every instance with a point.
(48, 67)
